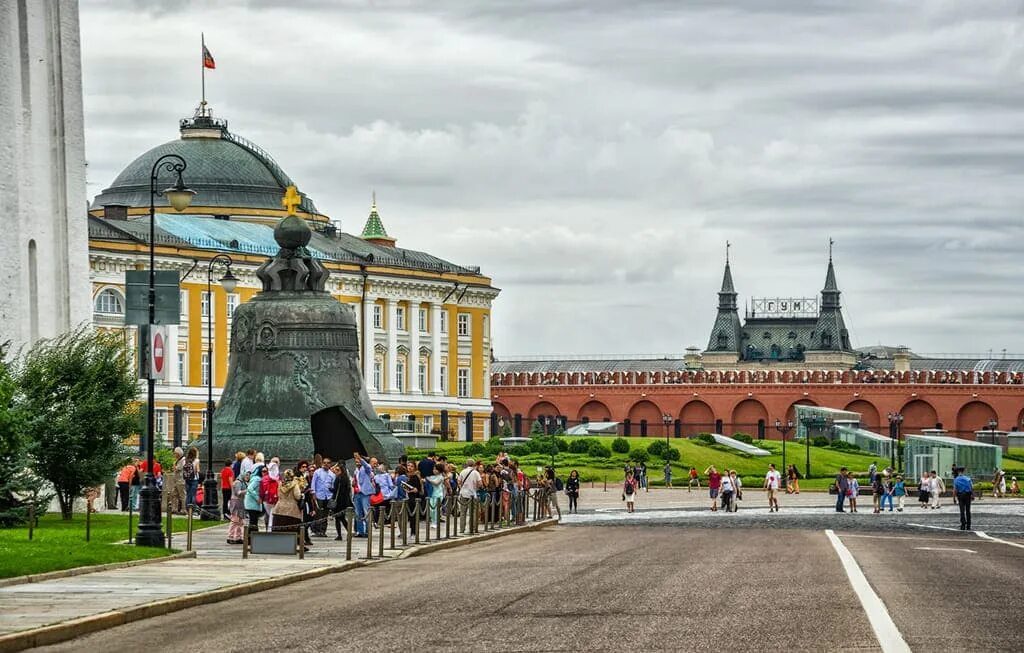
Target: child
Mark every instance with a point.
(852, 489)
(1014, 486)
(900, 490)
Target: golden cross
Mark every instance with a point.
(291, 200)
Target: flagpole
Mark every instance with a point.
(202, 65)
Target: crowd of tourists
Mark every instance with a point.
(316, 493)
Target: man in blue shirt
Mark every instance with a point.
(964, 490)
(323, 490)
(361, 499)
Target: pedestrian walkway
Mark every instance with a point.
(130, 593)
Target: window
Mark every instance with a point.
(204, 368)
(204, 303)
(160, 427)
(423, 377)
(463, 324)
(183, 367)
(423, 320)
(463, 382)
(428, 423)
(232, 304)
(444, 321)
(377, 316)
(183, 300)
(487, 326)
(444, 379)
(377, 373)
(109, 302)
(400, 318)
(400, 374)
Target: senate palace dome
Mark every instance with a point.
(231, 175)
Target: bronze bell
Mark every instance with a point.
(294, 385)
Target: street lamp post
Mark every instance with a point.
(992, 426)
(784, 429)
(228, 282)
(667, 419)
(895, 419)
(179, 197)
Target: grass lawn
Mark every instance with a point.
(58, 544)
(825, 462)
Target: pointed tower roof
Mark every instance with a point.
(830, 333)
(725, 334)
(374, 231)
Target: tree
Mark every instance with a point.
(506, 432)
(19, 488)
(620, 445)
(77, 394)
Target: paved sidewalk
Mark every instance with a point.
(137, 592)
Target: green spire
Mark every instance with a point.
(374, 230)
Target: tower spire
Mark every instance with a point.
(374, 231)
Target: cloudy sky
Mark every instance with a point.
(593, 156)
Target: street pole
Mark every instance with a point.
(667, 419)
(228, 281)
(784, 429)
(150, 531)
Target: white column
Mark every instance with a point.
(413, 367)
(367, 342)
(171, 349)
(392, 333)
(435, 349)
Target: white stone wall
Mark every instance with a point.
(42, 172)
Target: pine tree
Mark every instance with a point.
(19, 488)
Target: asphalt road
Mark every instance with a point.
(625, 587)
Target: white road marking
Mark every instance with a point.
(941, 548)
(940, 528)
(984, 535)
(886, 632)
(909, 538)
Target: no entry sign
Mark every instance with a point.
(155, 355)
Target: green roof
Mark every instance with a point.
(223, 168)
(374, 229)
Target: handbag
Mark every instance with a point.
(377, 499)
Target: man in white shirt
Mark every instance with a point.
(727, 491)
(771, 483)
(937, 488)
(469, 483)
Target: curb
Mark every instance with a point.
(68, 630)
(78, 571)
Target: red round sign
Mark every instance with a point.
(158, 353)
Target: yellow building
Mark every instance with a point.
(424, 323)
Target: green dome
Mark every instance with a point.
(224, 169)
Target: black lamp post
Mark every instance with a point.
(228, 282)
(784, 429)
(179, 197)
(666, 420)
(895, 419)
(992, 426)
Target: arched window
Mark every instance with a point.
(109, 302)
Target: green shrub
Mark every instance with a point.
(620, 445)
(639, 455)
(819, 441)
(704, 438)
(494, 445)
(562, 444)
(842, 445)
(474, 449)
(743, 437)
(519, 451)
(660, 450)
(582, 445)
(598, 450)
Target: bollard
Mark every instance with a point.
(131, 507)
(606, 483)
(427, 524)
(416, 520)
(474, 514)
(32, 520)
(245, 542)
(188, 527)
(369, 534)
(394, 506)
(88, 522)
(302, 543)
(441, 510)
(350, 518)
(403, 522)
(381, 519)
(170, 524)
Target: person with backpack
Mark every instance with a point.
(270, 486)
(252, 503)
(287, 515)
(572, 490)
(552, 485)
(190, 475)
(629, 492)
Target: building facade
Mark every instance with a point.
(42, 172)
(787, 352)
(424, 323)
